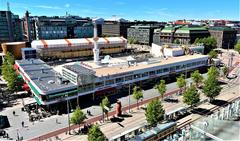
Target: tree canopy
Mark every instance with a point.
(181, 82)
(212, 54)
(95, 134)
(9, 74)
(105, 103)
(209, 43)
(211, 87)
(137, 94)
(191, 96)
(154, 112)
(196, 77)
(78, 116)
(237, 47)
(161, 87)
(176, 41)
(132, 40)
(225, 70)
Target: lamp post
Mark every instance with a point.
(68, 115)
(129, 91)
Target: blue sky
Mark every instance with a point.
(160, 10)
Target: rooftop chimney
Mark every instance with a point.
(96, 22)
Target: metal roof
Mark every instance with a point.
(41, 75)
(64, 43)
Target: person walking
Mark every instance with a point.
(22, 123)
(14, 113)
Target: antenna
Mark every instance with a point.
(8, 6)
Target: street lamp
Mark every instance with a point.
(129, 91)
(68, 114)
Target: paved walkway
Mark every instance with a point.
(112, 129)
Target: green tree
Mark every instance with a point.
(154, 112)
(9, 74)
(181, 82)
(225, 70)
(137, 94)
(95, 134)
(237, 47)
(105, 104)
(212, 54)
(197, 77)
(211, 87)
(176, 41)
(78, 117)
(191, 96)
(213, 72)
(209, 43)
(161, 87)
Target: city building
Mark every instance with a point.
(179, 34)
(142, 33)
(14, 48)
(115, 27)
(82, 47)
(77, 79)
(225, 36)
(174, 50)
(10, 27)
(188, 34)
(165, 35)
(44, 28)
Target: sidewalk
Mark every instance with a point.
(111, 129)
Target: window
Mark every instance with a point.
(118, 80)
(99, 84)
(178, 67)
(109, 82)
(145, 74)
(136, 76)
(172, 68)
(159, 71)
(151, 72)
(127, 78)
(165, 69)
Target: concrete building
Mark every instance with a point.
(10, 27)
(143, 34)
(180, 34)
(44, 28)
(174, 50)
(115, 27)
(225, 36)
(88, 79)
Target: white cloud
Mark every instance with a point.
(67, 5)
(47, 7)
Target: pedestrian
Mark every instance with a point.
(22, 123)
(14, 113)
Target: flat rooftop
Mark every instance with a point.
(43, 76)
(123, 68)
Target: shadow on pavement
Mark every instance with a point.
(125, 115)
(116, 119)
(218, 102)
(201, 111)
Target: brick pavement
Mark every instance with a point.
(98, 118)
